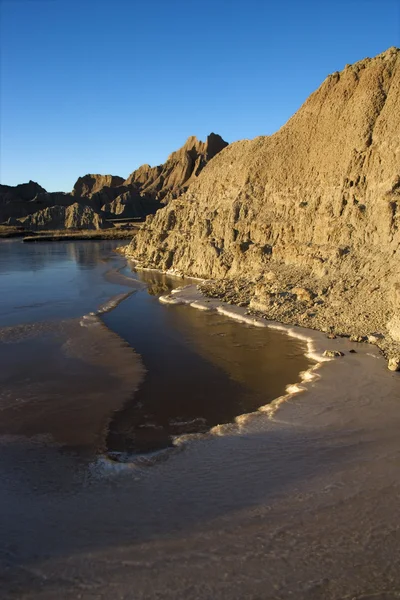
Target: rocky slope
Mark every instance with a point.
(75, 216)
(305, 224)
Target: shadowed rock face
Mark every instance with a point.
(22, 200)
(321, 196)
(88, 185)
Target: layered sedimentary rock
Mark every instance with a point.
(315, 206)
(75, 216)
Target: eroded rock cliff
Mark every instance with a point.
(315, 206)
(75, 216)
(27, 198)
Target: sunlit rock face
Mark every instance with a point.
(148, 188)
(321, 196)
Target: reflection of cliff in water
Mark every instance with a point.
(89, 253)
(158, 283)
(42, 255)
(261, 359)
(202, 368)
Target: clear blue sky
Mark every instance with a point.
(102, 86)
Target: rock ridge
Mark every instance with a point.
(182, 167)
(75, 216)
(316, 206)
(110, 196)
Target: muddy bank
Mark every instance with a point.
(107, 234)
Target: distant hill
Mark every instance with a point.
(143, 193)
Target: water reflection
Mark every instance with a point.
(157, 283)
(54, 280)
(203, 369)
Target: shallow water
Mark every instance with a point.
(47, 281)
(67, 377)
(203, 369)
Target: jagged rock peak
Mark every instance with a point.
(90, 184)
(180, 169)
(213, 144)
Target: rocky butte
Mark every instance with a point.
(96, 198)
(303, 225)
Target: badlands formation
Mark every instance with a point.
(96, 198)
(304, 225)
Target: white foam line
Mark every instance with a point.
(240, 317)
(169, 300)
(170, 272)
(199, 305)
(112, 303)
(91, 320)
(306, 377)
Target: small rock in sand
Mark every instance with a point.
(358, 338)
(303, 294)
(374, 338)
(333, 353)
(394, 364)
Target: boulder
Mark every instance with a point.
(394, 364)
(303, 294)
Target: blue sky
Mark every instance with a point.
(104, 86)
